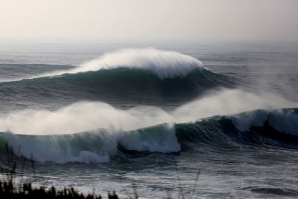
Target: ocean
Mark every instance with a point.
(195, 120)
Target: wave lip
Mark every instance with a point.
(165, 64)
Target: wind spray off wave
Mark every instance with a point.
(165, 64)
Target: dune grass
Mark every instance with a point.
(24, 190)
(9, 189)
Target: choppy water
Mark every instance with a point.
(103, 117)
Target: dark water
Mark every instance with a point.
(202, 120)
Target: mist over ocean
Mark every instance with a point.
(104, 117)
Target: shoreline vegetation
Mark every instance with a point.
(9, 188)
(24, 190)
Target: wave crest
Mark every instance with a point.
(164, 64)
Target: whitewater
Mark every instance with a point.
(151, 119)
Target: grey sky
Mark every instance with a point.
(181, 20)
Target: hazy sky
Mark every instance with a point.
(127, 20)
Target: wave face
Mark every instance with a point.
(119, 83)
(226, 133)
(94, 146)
(88, 132)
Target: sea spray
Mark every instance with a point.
(164, 64)
(228, 101)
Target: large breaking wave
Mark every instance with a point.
(122, 75)
(164, 64)
(93, 146)
(92, 132)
